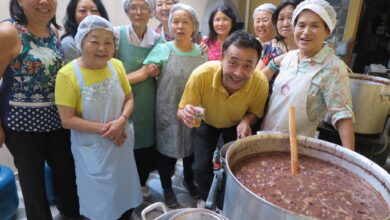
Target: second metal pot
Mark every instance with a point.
(371, 102)
(181, 214)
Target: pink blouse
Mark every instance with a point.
(215, 50)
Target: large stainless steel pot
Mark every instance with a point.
(181, 214)
(242, 204)
(371, 103)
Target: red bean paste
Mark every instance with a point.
(321, 189)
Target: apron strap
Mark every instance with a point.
(78, 73)
(111, 69)
(80, 76)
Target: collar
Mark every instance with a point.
(149, 39)
(321, 55)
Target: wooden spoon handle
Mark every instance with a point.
(293, 141)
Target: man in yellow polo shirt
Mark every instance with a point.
(233, 95)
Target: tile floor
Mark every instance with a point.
(184, 199)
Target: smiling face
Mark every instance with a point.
(284, 23)
(182, 25)
(98, 47)
(163, 7)
(222, 24)
(38, 11)
(85, 8)
(263, 27)
(139, 13)
(238, 65)
(310, 32)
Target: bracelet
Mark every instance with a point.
(272, 65)
(125, 116)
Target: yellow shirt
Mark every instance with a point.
(67, 90)
(204, 88)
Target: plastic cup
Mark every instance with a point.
(199, 115)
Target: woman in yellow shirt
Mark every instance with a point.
(95, 101)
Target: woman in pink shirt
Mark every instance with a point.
(222, 23)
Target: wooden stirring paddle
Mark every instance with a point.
(293, 141)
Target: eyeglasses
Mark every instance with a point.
(134, 9)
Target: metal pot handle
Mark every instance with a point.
(152, 207)
(210, 202)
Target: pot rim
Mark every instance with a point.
(376, 79)
(188, 211)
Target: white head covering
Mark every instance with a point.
(264, 7)
(322, 8)
(90, 23)
(189, 9)
(126, 4)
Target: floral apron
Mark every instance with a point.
(291, 90)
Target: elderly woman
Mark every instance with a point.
(94, 100)
(76, 11)
(262, 22)
(161, 10)
(136, 40)
(177, 59)
(30, 126)
(222, 22)
(284, 41)
(312, 78)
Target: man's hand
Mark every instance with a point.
(187, 115)
(244, 129)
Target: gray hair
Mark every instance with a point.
(264, 7)
(126, 4)
(155, 6)
(90, 23)
(189, 9)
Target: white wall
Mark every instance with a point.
(118, 17)
(114, 7)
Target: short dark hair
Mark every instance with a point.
(275, 15)
(70, 23)
(241, 39)
(18, 15)
(228, 12)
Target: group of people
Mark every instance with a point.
(104, 106)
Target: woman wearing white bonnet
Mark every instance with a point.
(136, 40)
(177, 59)
(312, 78)
(94, 100)
(262, 22)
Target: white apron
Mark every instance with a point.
(106, 175)
(291, 89)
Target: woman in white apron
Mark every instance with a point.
(177, 59)
(312, 78)
(94, 100)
